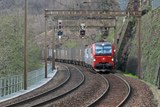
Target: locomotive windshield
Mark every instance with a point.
(103, 49)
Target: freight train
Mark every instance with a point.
(98, 56)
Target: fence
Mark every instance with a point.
(15, 83)
(155, 4)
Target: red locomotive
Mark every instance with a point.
(98, 56)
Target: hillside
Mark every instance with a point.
(150, 31)
(38, 6)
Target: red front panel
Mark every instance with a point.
(102, 59)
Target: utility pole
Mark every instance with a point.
(139, 56)
(89, 3)
(53, 48)
(115, 39)
(25, 48)
(140, 4)
(159, 77)
(45, 46)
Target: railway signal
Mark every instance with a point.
(59, 24)
(60, 33)
(82, 32)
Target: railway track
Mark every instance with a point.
(116, 95)
(94, 86)
(73, 81)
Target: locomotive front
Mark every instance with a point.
(103, 56)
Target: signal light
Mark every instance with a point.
(82, 32)
(60, 25)
(60, 33)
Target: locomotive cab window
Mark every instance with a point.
(103, 49)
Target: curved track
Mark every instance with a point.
(119, 91)
(101, 96)
(74, 80)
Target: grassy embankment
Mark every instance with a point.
(150, 47)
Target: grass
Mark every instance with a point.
(127, 74)
(154, 99)
(149, 31)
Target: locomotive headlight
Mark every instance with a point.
(94, 59)
(112, 59)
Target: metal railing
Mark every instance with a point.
(15, 83)
(155, 4)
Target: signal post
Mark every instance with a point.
(45, 46)
(53, 48)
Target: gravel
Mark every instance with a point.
(141, 95)
(118, 90)
(92, 88)
(73, 81)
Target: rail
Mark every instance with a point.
(15, 83)
(33, 101)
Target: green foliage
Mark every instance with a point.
(154, 41)
(111, 36)
(149, 31)
(12, 47)
(69, 45)
(127, 74)
(154, 25)
(98, 38)
(156, 13)
(147, 35)
(132, 19)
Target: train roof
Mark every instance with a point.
(105, 43)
